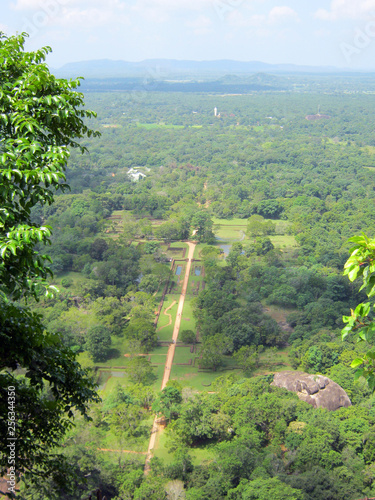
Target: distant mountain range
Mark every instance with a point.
(163, 69)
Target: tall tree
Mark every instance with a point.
(40, 118)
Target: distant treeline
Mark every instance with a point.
(139, 84)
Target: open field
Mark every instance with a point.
(117, 351)
(77, 280)
(183, 355)
(165, 324)
(198, 454)
(273, 360)
(283, 241)
(187, 318)
(190, 376)
(151, 126)
(230, 222)
(198, 249)
(234, 233)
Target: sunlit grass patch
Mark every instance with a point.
(283, 241)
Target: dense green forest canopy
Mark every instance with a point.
(296, 185)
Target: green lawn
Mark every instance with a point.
(166, 332)
(198, 249)
(160, 451)
(198, 454)
(234, 233)
(187, 318)
(230, 222)
(159, 372)
(112, 382)
(272, 360)
(118, 349)
(183, 355)
(283, 241)
(189, 376)
(78, 279)
(159, 351)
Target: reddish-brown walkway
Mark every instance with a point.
(171, 350)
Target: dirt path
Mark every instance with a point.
(171, 350)
(172, 347)
(167, 314)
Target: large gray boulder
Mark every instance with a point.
(317, 390)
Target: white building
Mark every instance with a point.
(135, 175)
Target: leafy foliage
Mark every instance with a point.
(361, 264)
(40, 118)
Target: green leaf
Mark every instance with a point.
(356, 362)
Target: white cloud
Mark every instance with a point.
(85, 14)
(282, 14)
(161, 11)
(172, 5)
(87, 18)
(277, 15)
(40, 4)
(346, 9)
(202, 25)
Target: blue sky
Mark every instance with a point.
(337, 33)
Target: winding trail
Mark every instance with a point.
(171, 350)
(167, 314)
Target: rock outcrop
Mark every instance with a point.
(317, 390)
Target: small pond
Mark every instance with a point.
(197, 271)
(178, 270)
(226, 248)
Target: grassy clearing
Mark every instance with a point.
(199, 454)
(160, 450)
(232, 233)
(198, 249)
(168, 311)
(183, 355)
(159, 373)
(273, 360)
(230, 222)
(112, 441)
(150, 126)
(189, 376)
(77, 279)
(158, 351)
(112, 382)
(279, 314)
(117, 358)
(281, 226)
(165, 334)
(283, 241)
(370, 150)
